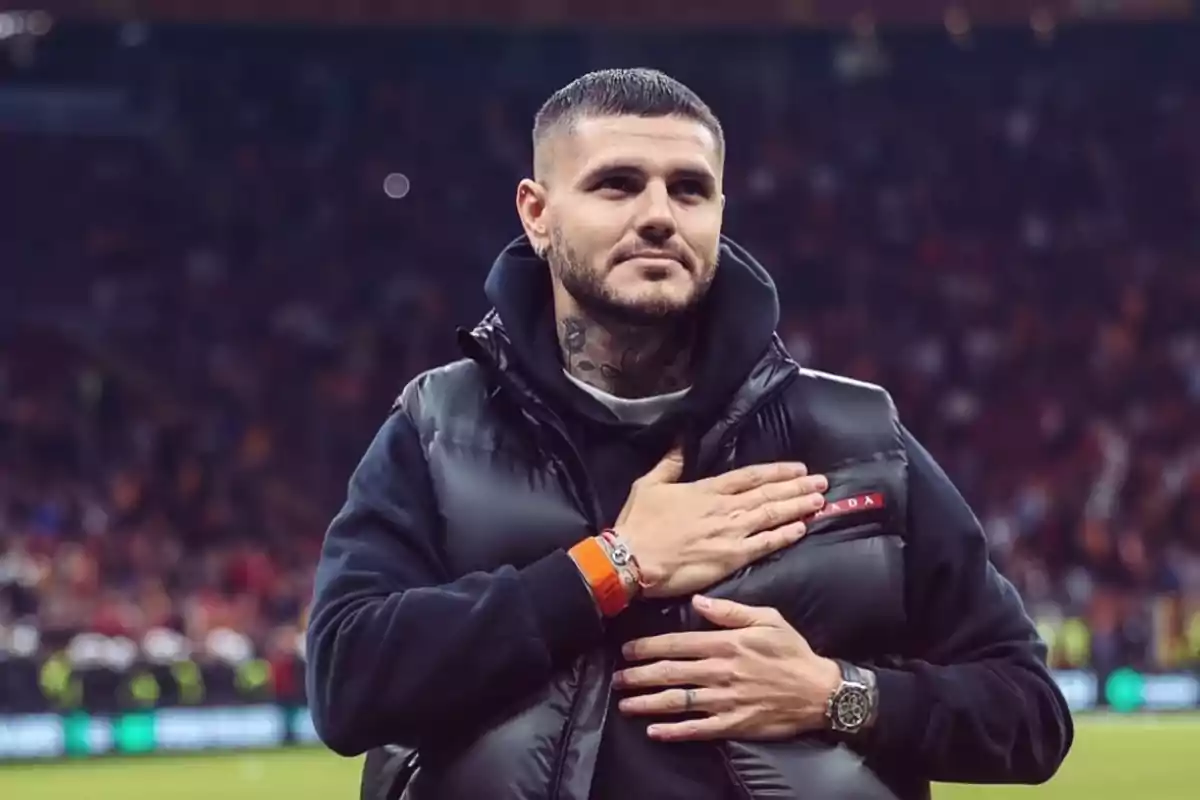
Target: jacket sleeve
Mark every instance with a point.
(397, 648)
(973, 701)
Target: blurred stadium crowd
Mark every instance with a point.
(210, 300)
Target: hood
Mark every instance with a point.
(740, 315)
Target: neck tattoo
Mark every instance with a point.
(626, 361)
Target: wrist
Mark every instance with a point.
(815, 682)
(621, 556)
(610, 570)
(853, 705)
(601, 575)
(830, 677)
(829, 680)
(647, 574)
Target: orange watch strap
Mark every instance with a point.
(601, 575)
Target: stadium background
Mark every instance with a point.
(230, 230)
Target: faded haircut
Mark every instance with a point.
(620, 92)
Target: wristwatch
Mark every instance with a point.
(852, 705)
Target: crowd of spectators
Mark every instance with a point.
(212, 300)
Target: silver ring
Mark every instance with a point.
(689, 698)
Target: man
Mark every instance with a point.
(628, 549)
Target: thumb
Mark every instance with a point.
(728, 614)
(668, 469)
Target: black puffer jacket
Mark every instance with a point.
(448, 619)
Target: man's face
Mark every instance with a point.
(629, 215)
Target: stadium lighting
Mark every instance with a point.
(396, 185)
(863, 25)
(39, 23)
(1043, 25)
(958, 25)
(33, 23)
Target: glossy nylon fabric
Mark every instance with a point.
(508, 496)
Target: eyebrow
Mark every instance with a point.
(615, 169)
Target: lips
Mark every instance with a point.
(655, 256)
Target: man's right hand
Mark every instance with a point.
(688, 536)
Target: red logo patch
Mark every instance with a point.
(852, 505)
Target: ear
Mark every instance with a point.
(531, 208)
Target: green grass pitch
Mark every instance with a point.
(1131, 757)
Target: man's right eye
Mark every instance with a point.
(617, 183)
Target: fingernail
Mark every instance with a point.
(653, 730)
(618, 679)
(702, 601)
(823, 482)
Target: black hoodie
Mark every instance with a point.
(399, 648)
(382, 582)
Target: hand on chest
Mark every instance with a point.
(840, 584)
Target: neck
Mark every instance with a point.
(626, 360)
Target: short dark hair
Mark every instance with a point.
(616, 92)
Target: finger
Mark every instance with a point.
(675, 701)
(777, 492)
(718, 726)
(670, 673)
(761, 545)
(728, 614)
(691, 644)
(667, 470)
(753, 476)
(778, 513)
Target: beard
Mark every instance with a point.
(597, 299)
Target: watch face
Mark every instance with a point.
(852, 707)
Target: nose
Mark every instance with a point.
(656, 219)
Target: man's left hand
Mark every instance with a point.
(756, 679)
